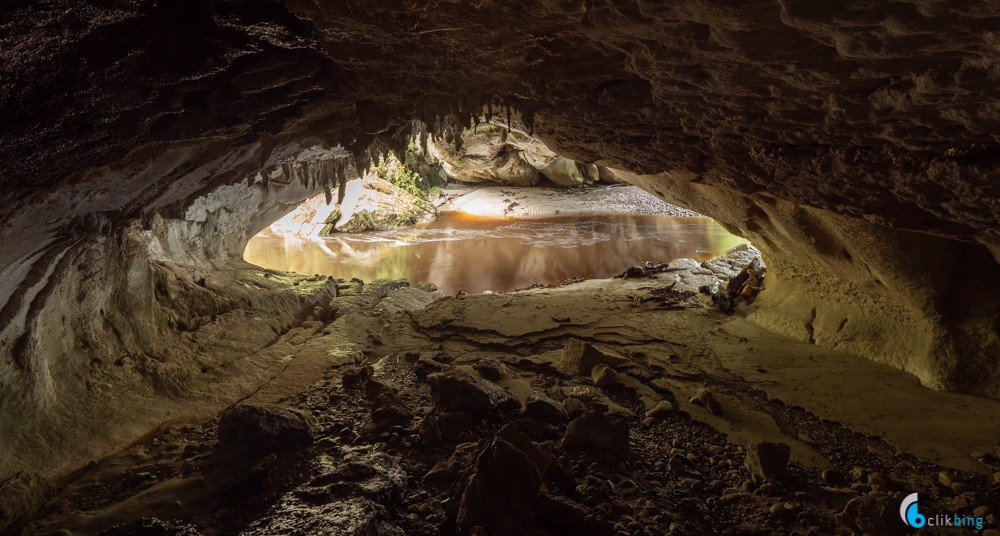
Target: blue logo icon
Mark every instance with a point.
(908, 511)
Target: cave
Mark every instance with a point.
(152, 381)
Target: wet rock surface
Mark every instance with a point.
(440, 427)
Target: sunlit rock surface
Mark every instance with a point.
(369, 204)
(498, 154)
(854, 142)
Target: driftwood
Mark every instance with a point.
(745, 286)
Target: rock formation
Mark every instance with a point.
(470, 415)
(369, 204)
(500, 154)
(143, 143)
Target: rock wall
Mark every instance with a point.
(498, 154)
(918, 302)
(163, 317)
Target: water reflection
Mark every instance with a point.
(472, 254)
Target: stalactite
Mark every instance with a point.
(341, 186)
(458, 137)
(507, 105)
(528, 117)
(423, 133)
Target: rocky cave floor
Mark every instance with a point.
(599, 407)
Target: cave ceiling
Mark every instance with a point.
(885, 111)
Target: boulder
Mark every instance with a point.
(581, 357)
(683, 264)
(491, 369)
(458, 390)
(598, 432)
(543, 408)
(660, 410)
(703, 397)
(510, 167)
(21, 496)
(346, 497)
(446, 469)
(608, 176)
(439, 425)
(593, 399)
(426, 366)
(603, 376)
(565, 172)
(260, 429)
(873, 515)
(590, 172)
(766, 461)
(494, 496)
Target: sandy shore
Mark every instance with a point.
(505, 201)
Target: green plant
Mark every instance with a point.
(391, 169)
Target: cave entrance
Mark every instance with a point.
(414, 220)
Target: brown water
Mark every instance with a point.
(458, 252)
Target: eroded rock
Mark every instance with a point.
(581, 357)
(767, 461)
(540, 407)
(348, 496)
(660, 410)
(259, 429)
(603, 376)
(374, 204)
(598, 432)
(704, 398)
(495, 494)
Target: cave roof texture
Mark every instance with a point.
(879, 114)
(881, 110)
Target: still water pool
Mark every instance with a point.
(458, 252)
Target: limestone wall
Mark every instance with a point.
(924, 304)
